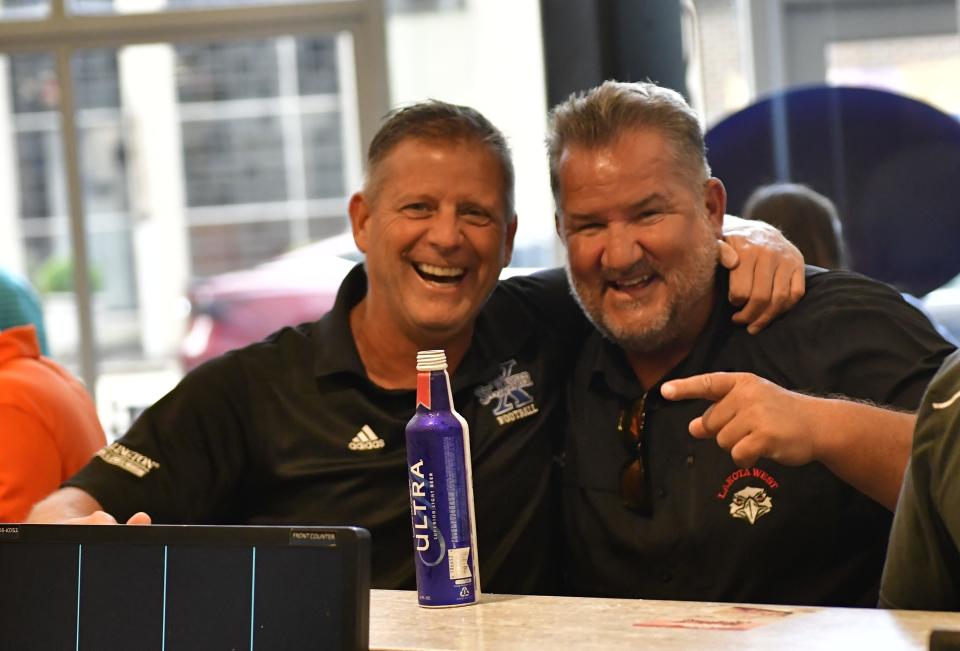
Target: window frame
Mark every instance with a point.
(798, 27)
(62, 34)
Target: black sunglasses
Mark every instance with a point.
(633, 475)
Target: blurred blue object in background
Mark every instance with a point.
(891, 164)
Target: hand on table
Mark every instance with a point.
(102, 517)
(751, 417)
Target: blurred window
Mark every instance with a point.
(215, 72)
(218, 135)
(23, 9)
(747, 49)
(402, 6)
(151, 6)
(917, 66)
(199, 153)
(233, 161)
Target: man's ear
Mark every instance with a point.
(359, 217)
(715, 203)
(508, 244)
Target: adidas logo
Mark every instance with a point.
(366, 439)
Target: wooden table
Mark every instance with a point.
(555, 623)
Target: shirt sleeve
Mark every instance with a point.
(860, 338)
(183, 458)
(29, 463)
(922, 569)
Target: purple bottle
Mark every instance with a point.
(441, 491)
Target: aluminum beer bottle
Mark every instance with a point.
(441, 491)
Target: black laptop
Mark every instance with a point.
(183, 587)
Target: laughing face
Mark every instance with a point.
(435, 233)
(641, 239)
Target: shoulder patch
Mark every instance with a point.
(123, 457)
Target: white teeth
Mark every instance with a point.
(635, 281)
(446, 272)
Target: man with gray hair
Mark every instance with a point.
(779, 495)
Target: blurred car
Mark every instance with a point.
(236, 308)
(233, 309)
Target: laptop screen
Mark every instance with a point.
(183, 587)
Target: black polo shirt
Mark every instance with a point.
(291, 431)
(711, 531)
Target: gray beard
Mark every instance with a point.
(659, 334)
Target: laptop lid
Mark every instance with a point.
(183, 587)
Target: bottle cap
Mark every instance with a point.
(431, 360)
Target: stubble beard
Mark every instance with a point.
(689, 284)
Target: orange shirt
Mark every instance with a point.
(48, 425)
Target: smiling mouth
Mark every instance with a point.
(437, 274)
(634, 284)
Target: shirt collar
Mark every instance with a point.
(612, 368)
(336, 351)
(501, 330)
(19, 341)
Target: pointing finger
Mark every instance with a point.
(708, 386)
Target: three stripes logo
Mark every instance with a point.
(366, 439)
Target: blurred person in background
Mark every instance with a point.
(810, 220)
(19, 305)
(48, 425)
(805, 217)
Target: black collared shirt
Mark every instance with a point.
(710, 531)
(290, 430)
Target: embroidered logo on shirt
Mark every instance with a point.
(366, 439)
(123, 457)
(509, 389)
(751, 502)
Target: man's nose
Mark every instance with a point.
(621, 250)
(445, 231)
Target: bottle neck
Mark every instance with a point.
(433, 392)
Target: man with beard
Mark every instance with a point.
(791, 501)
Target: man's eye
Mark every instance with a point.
(476, 216)
(586, 227)
(417, 208)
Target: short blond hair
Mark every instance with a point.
(597, 117)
